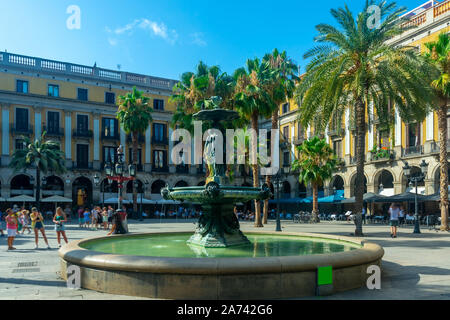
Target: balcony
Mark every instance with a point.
(339, 132)
(54, 132)
(21, 130)
(299, 140)
(435, 146)
(110, 137)
(141, 138)
(87, 134)
(82, 165)
(412, 151)
(164, 169)
(382, 155)
(160, 141)
(182, 168)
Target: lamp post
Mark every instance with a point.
(415, 180)
(97, 183)
(116, 172)
(278, 182)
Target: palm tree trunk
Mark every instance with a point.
(258, 222)
(315, 210)
(134, 137)
(38, 188)
(266, 202)
(442, 119)
(360, 152)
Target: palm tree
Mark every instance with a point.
(194, 91)
(44, 155)
(439, 55)
(282, 74)
(316, 163)
(252, 102)
(354, 68)
(135, 115)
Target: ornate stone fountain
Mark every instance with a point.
(218, 226)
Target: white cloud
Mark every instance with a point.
(156, 29)
(112, 41)
(197, 39)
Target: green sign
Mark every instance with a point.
(324, 275)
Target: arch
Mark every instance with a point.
(286, 190)
(82, 191)
(181, 184)
(302, 191)
(384, 177)
(129, 186)
(157, 186)
(415, 171)
(352, 184)
(21, 184)
(337, 182)
(107, 187)
(437, 178)
(53, 186)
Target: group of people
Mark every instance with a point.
(96, 217)
(17, 220)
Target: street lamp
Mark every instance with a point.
(418, 178)
(282, 172)
(116, 172)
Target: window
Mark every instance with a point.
(130, 156)
(286, 132)
(337, 148)
(82, 94)
(110, 127)
(159, 159)
(20, 144)
(110, 97)
(285, 108)
(22, 86)
(109, 154)
(22, 119)
(159, 132)
(53, 90)
(384, 138)
(53, 122)
(82, 156)
(158, 104)
(413, 135)
(286, 159)
(82, 123)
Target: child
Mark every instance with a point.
(11, 228)
(25, 220)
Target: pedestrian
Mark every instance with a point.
(110, 216)
(37, 223)
(394, 213)
(80, 217)
(25, 220)
(59, 219)
(401, 216)
(117, 227)
(11, 227)
(87, 217)
(364, 212)
(94, 218)
(104, 215)
(2, 222)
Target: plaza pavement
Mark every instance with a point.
(415, 266)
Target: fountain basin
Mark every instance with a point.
(220, 277)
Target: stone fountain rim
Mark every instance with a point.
(368, 253)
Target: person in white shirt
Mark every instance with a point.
(394, 212)
(401, 216)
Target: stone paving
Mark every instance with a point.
(414, 266)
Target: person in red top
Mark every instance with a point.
(11, 227)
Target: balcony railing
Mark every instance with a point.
(21, 130)
(160, 141)
(82, 165)
(114, 137)
(411, 151)
(299, 140)
(54, 132)
(77, 133)
(435, 146)
(164, 169)
(45, 65)
(182, 168)
(336, 132)
(141, 138)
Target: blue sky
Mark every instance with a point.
(165, 38)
